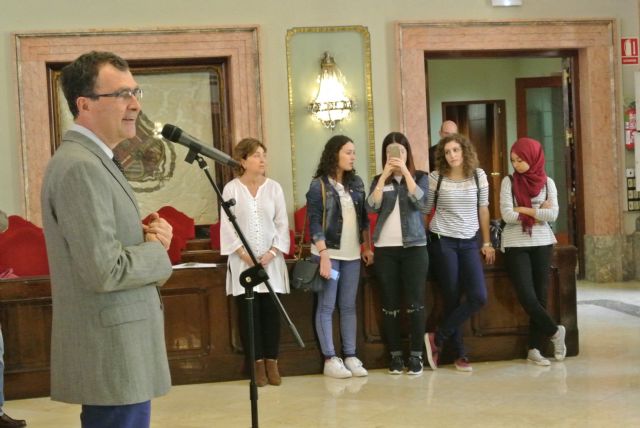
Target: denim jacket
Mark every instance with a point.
(412, 208)
(332, 231)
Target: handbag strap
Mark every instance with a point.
(301, 240)
(304, 223)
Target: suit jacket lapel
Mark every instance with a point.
(106, 161)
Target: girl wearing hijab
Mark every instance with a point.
(528, 202)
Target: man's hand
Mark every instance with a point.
(159, 230)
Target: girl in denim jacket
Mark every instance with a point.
(338, 224)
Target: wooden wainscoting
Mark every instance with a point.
(203, 340)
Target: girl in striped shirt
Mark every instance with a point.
(528, 202)
(461, 209)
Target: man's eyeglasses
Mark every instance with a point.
(124, 94)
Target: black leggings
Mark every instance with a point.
(402, 271)
(528, 269)
(266, 325)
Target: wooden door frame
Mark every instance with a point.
(576, 197)
(524, 83)
(593, 41)
(498, 145)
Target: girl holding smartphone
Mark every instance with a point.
(398, 196)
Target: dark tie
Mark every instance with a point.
(118, 164)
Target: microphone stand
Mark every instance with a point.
(250, 278)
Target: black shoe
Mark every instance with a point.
(7, 421)
(414, 365)
(397, 365)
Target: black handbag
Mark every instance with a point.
(306, 273)
(306, 276)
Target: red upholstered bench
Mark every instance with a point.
(23, 249)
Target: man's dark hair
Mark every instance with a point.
(78, 78)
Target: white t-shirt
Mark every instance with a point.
(349, 239)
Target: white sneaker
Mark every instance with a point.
(559, 348)
(334, 367)
(354, 365)
(534, 356)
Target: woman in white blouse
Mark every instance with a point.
(261, 213)
(528, 202)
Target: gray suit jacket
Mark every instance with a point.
(107, 344)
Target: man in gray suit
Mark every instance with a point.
(107, 347)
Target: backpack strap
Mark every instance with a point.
(435, 199)
(475, 176)
(546, 190)
(513, 195)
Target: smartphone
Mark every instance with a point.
(394, 152)
(334, 274)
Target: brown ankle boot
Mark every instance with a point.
(272, 372)
(261, 374)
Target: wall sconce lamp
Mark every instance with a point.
(331, 104)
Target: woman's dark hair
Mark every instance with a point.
(398, 138)
(328, 164)
(469, 155)
(245, 148)
(78, 79)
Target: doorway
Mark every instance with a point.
(592, 43)
(466, 75)
(541, 115)
(483, 122)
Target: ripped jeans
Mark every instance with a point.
(402, 271)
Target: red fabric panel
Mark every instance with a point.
(298, 218)
(23, 249)
(214, 235)
(292, 245)
(182, 224)
(183, 230)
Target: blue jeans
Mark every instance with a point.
(458, 269)
(345, 289)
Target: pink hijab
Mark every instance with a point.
(528, 185)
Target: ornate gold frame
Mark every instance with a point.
(366, 39)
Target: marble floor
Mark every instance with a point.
(598, 388)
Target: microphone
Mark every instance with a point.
(177, 135)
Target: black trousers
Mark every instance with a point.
(266, 325)
(528, 269)
(402, 272)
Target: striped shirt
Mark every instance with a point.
(541, 232)
(456, 213)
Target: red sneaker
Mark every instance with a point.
(432, 350)
(462, 364)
